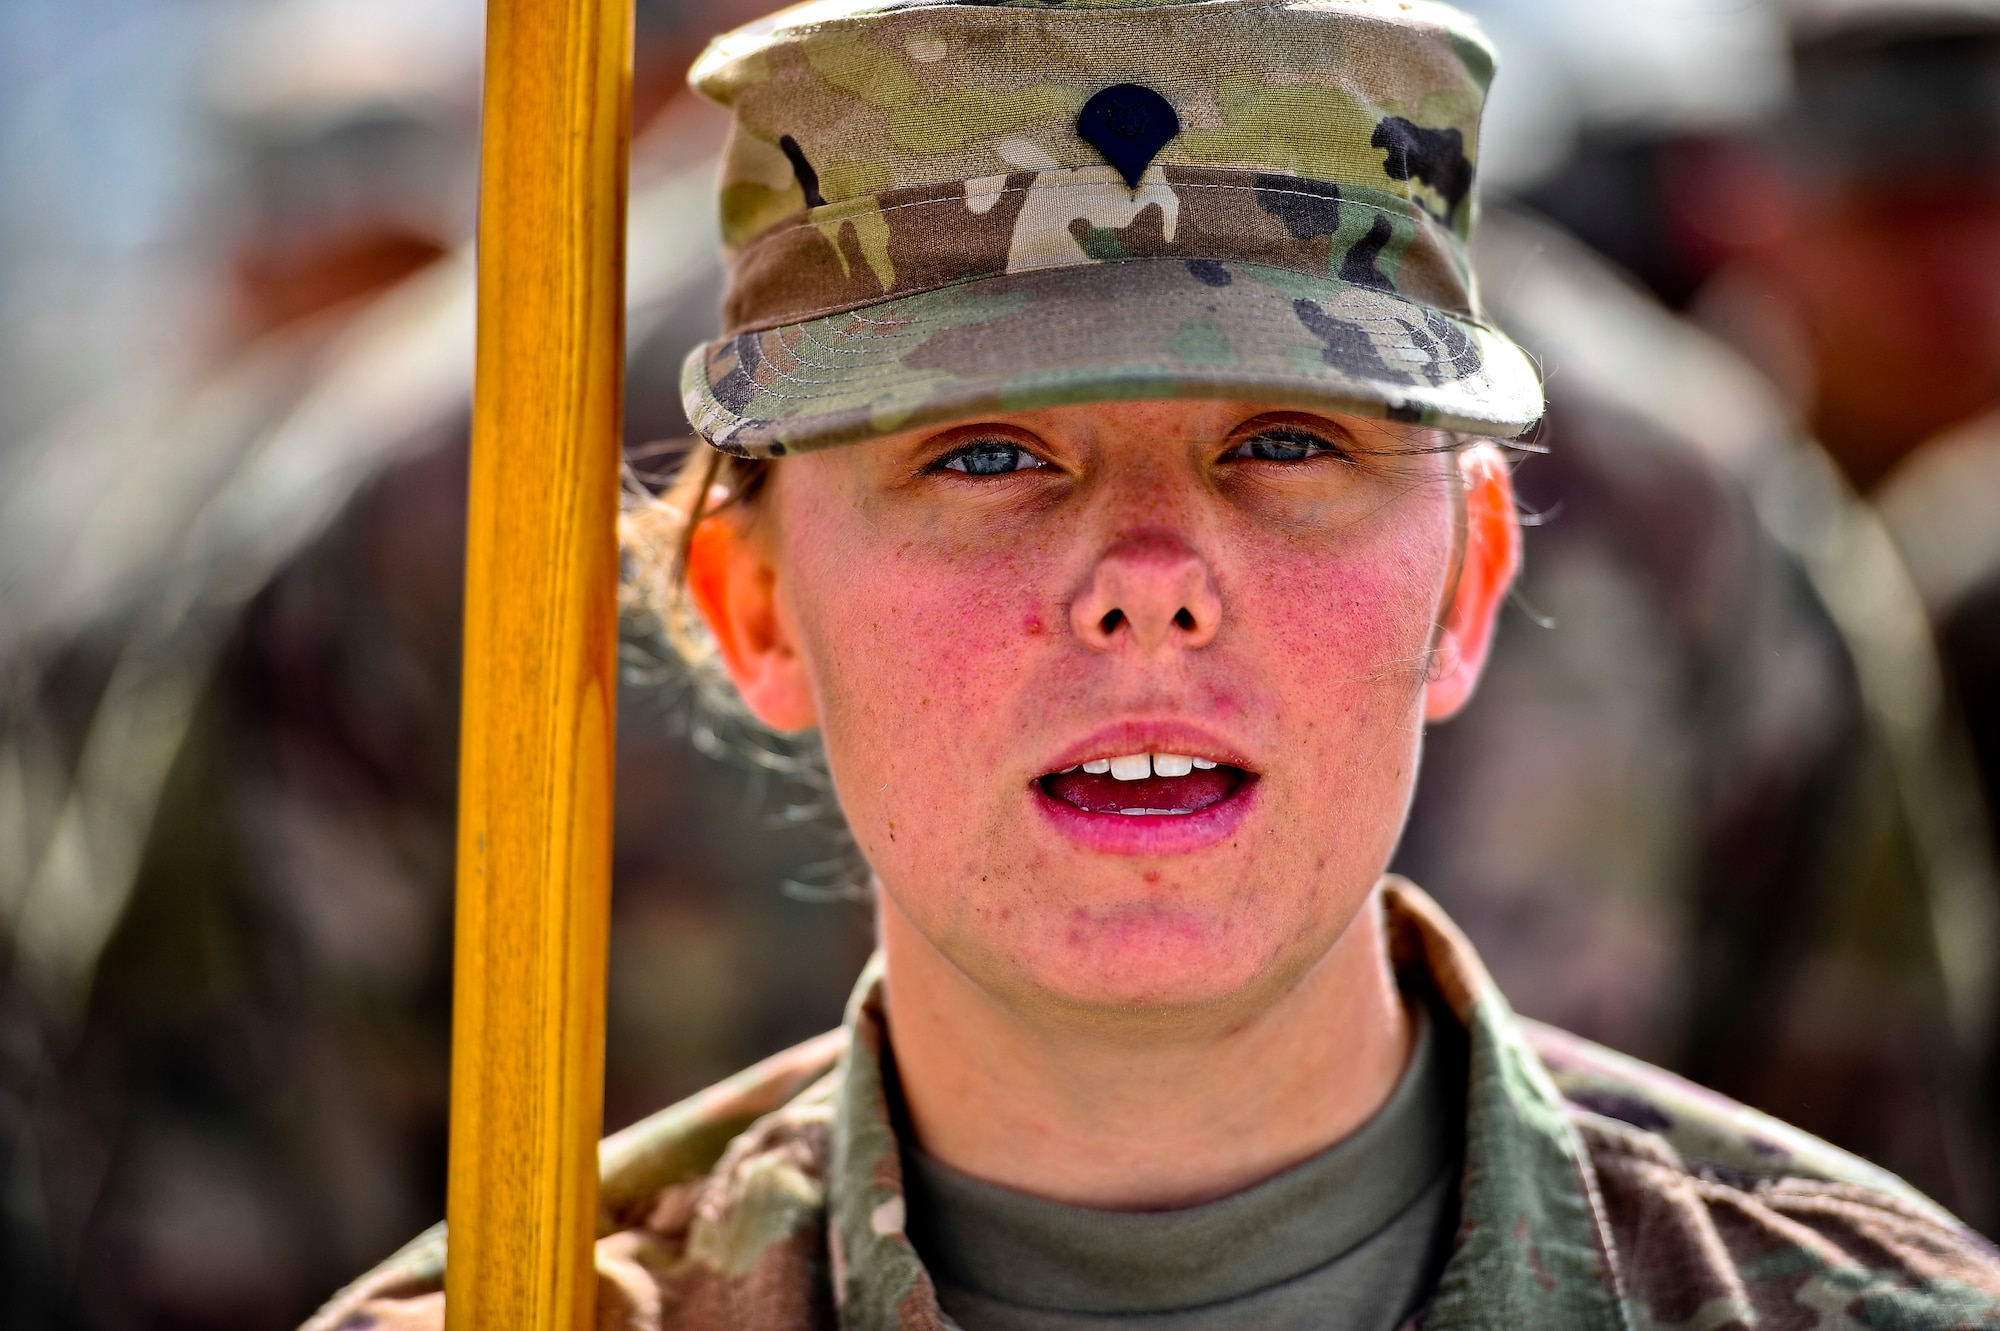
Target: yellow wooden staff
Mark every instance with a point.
(534, 840)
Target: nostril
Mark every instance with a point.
(1109, 624)
(1184, 620)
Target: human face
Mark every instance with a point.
(970, 614)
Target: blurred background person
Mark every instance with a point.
(229, 738)
(1707, 754)
(1855, 241)
(1845, 239)
(1856, 254)
(1842, 238)
(1734, 785)
(230, 619)
(146, 1115)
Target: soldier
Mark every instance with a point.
(158, 1042)
(1883, 321)
(1859, 239)
(1103, 467)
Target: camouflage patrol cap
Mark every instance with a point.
(934, 210)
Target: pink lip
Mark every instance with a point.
(1150, 737)
(1148, 835)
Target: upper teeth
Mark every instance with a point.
(1139, 766)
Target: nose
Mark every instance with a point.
(1147, 589)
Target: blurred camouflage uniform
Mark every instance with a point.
(1943, 507)
(1598, 1193)
(227, 755)
(169, 1088)
(1697, 815)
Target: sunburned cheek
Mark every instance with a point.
(1349, 640)
(969, 626)
(923, 654)
(1353, 621)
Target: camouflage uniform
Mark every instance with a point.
(1598, 1192)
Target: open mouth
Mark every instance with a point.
(1142, 785)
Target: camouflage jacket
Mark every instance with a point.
(1598, 1193)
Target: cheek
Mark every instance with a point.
(913, 623)
(1351, 618)
(1345, 637)
(923, 660)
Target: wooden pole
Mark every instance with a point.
(534, 839)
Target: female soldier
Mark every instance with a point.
(1099, 470)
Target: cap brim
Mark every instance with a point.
(1140, 329)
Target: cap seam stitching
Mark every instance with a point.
(817, 313)
(833, 348)
(1416, 211)
(1479, 321)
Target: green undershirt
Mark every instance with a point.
(1352, 1238)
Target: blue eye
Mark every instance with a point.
(1282, 444)
(992, 457)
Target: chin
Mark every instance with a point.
(1148, 958)
(1222, 931)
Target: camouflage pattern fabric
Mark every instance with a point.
(1598, 1193)
(932, 210)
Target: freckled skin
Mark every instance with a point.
(1108, 1027)
(1331, 576)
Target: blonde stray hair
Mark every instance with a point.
(656, 531)
(670, 649)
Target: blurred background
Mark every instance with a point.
(1725, 802)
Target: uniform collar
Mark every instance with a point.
(1533, 1247)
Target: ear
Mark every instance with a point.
(735, 586)
(1486, 570)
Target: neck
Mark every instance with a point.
(1089, 1118)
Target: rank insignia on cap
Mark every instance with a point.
(1129, 123)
